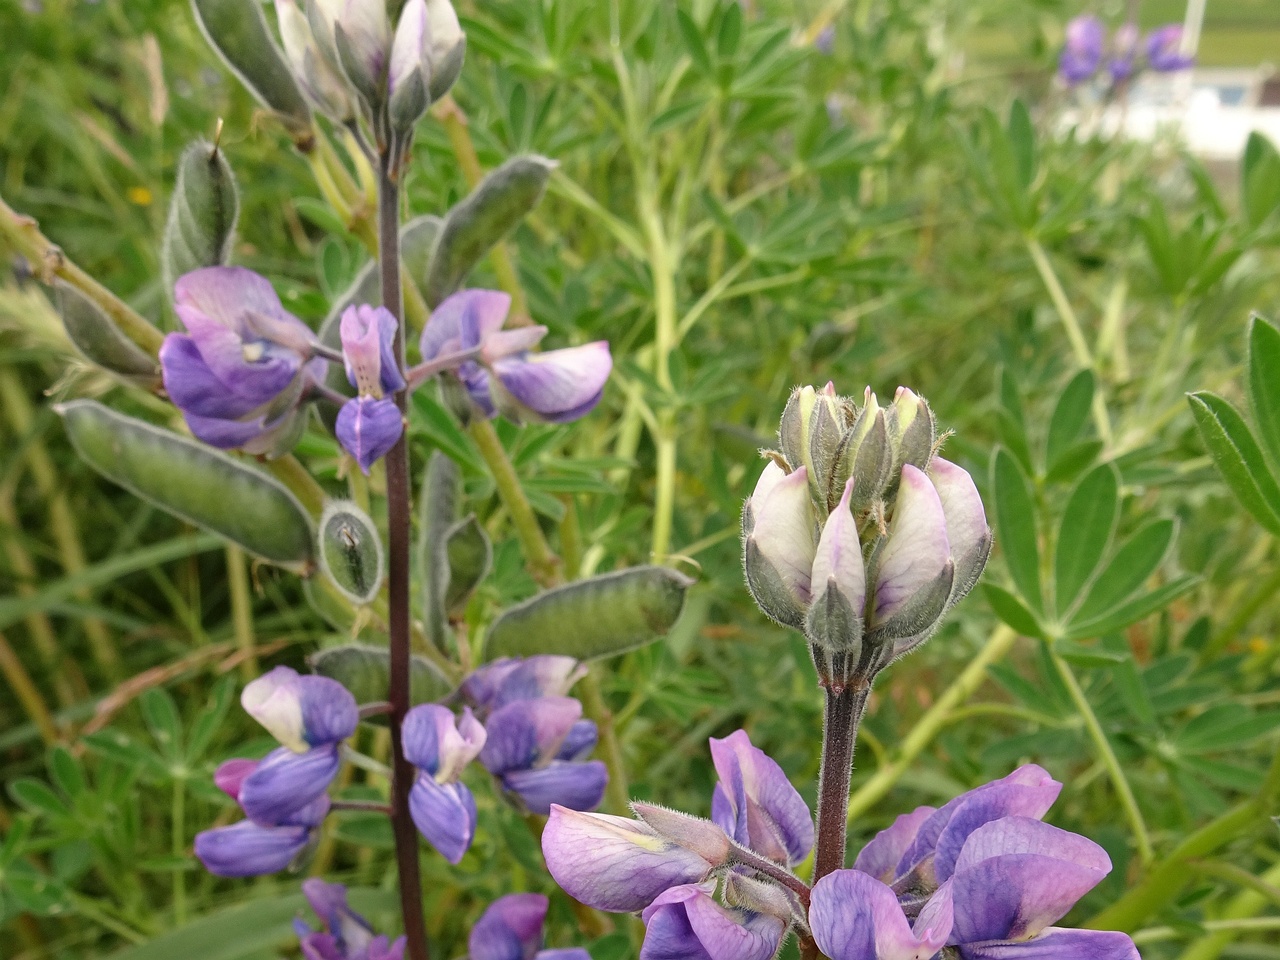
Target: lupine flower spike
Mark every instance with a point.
(344, 934)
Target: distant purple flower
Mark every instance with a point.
(248, 849)
(686, 923)
(344, 934)
(441, 746)
(825, 41)
(498, 683)
(554, 387)
(511, 929)
(1124, 53)
(1164, 49)
(756, 804)
(241, 370)
(536, 750)
(1082, 52)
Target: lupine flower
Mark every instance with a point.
(512, 678)
(344, 934)
(756, 804)
(248, 849)
(1082, 53)
(1124, 53)
(777, 524)
(553, 387)
(511, 929)
(448, 46)
(362, 35)
(613, 863)
(443, 809)
(853, 916)
(825, 41)
(242, 368)
(536, 749)
(370, 424)
(1164, 49)
(686, 923)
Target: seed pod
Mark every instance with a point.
(366, 672)
(492, 210)
(350, 551)
(101, 341)
(238, 31)
(202, 213)
(192, 481)
(600, 617)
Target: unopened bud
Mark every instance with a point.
(410, 68)
(706, 839)
(912, 431)
(778, 533)
(758, 896)
(839, 584)
(315, 71)
(362, 36)
(826, 427)
(864, 457)
(967, 531)
(448, 47)
(793, 431)
(202, 213)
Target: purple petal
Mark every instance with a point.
(511, 928)
(524, 731)
(1164, 49)
(579, 742)
(301, 711)
(329, 902)
(838, 560)
(569, 953)
(435, 742)
(245, 849)
(967, 530)
(1018, 875)
(225, 434)
(224, 294)
(684, 923)
(368, 34)
(320, 946)
(286, 782)
(230, 776)
(192, 386)
(1082, 53)
(612, 863)
(774, 808)
(462, 320)
(880, 856)
(383, 949)
(577, 786)
(368, 350)
(1058, 944)
(557, 386)
(445, 814)
(368, 429)
(503, 681)
(856, 917)
(917, 550)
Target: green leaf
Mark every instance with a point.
(1237, 457)
(1015, 522)
(101, 341)
(1226, 726)
(1012, 611)
(366, 672)
(195, 482)
(1084, 533)
(1011, 421)
(730, 31)
(605, 615)
(350, 551)
(36, 797)
(1259, 180)
(163, 720)
(691, 37)
(1022, 137)
(1135, 561)
(65, 772)
(1069, 417)
(1073, 461)
(1132, 611)
(475, 225)
(1264, 382)
(1087, 656)
(245, 929)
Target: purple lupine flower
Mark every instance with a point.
(854, 916)
(553, 387)
(686, 923)
(1124, 53)
(344, 934)
(441, 746)
(613, 863)
(512, 678)
(1164, 49)
(825, 41)
(536, 750)
(249, 849)
(756, 804)
(369, 424)
(239, 372)
(511, 929)
(1082, 52)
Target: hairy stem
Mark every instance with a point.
(839, 735)
(399, 525)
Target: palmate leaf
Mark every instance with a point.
(1085, 532)
(1237, 456)
(1135, 561)
(1133, 610)
(1069, 418)
(1015, 522)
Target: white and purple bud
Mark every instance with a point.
(703, 837)
(686, 922)
(410, 71)
(320, 80)
(968, 535)
(755, 803)
(827, 426)
(301, 711)
(558, 386)
(838, 584)
(362, 37)
(612, 863)
(865, 457)
(344, 934)
(778, 530)
(793, 428)
(448, 47)
(440, 747)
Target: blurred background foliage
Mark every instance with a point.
(736, 211)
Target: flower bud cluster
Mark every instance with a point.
(857, 533)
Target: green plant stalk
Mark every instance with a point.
(1167, 877)
(242, 611)
(66, 535)
(543, 563)
(1128, 802)
(1075, 333)
(1240, 877)
(27, 692)
(178, 840)
(666, 339)
(1215, 927)
(48, 261)
(289, 471)
(617, 792)
(1235, 919)
(934, 720)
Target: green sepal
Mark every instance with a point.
(101, 342)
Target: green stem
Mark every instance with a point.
(1071, 324)
(665, 486)
(934, 720)
(1224, 929)
(543, 563)
(618, 793)
(289, 471)
(1239, 916)
(1128, 802)
(242, 611)
(665, 340)
(179, 843)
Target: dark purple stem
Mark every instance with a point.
(839, 734)
(399, 519)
